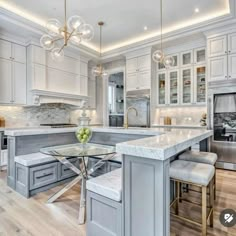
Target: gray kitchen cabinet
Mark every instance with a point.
(116, 121)
(43, 175)
(64, 172)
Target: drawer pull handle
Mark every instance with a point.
(45, 175)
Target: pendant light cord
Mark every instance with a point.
(65, 11)
(100, 41)
(161, 22)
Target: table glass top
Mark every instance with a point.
(77, 150)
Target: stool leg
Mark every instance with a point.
(212, 194)
(204, 210)
(215, 186)
(177, 184)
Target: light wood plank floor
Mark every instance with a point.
(32, 217)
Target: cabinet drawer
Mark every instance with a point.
(43, 175)
(100, 171)
(64, 172)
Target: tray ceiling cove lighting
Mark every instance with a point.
(159, 56)
(99, 70)
(74, 30)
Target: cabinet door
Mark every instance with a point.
(162, 88)
(3, 157)
(83, 85)
(144, 63)
(18, 53)
(187, 85)
(217, 68)
(200, 84)
(120, 121)
(232, 66)
(5, 49)
(144, 80)
(5, 81)
(199, 55)
(187, 58)
(112, 121)
(173, 77)
(92, 94)
(132, 82)
(232, 43)
(19, 82)
(217, 46)
(132, 65)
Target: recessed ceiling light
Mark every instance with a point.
(145, 27)
(196, 10)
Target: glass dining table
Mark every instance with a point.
(64, 153)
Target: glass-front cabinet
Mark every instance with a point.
(162, 87)
(173, 77)
(187, 85)
(200, 83)
(200, 55)
(187, 58)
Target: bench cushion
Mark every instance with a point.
(193, 172)
(107, 185)
(200, 157)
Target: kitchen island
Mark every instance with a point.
(146, 156)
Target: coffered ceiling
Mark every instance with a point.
(125, 20)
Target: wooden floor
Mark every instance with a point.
(33, 217)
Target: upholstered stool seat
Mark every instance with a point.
(196, 173)
(201, 157)
(199, 175)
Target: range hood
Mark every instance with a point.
(225, 103)
(142, 93)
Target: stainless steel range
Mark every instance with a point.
(222, 119)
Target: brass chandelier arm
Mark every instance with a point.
(66, 40)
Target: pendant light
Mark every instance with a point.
(74, 30)
(158, 56)
(99, 70)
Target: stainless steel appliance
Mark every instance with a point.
(222, 120)
(140, 100)
(3, 141)
(59, 125)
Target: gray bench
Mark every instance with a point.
(104, 208)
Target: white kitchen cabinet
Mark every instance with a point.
(132, 82)
(217, 46)
(200, 55)
(144, 63)
(232, 66)
(3, 158)
(5, 49)
(5, 81)
(173, 87)
(92, 93)
(18, 53)
(200, 84)
(232, 43)
(186, 58)
(18, 83)
(162, 89)
(131, 65)
(217, 68)
(186, 85)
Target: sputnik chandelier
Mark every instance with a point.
(74, 30)
(99, 70)
(159, 56)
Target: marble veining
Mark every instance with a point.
(107, 185)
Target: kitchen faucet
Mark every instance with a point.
(126, 123)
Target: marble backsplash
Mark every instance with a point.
(47, 113)
(182, 115)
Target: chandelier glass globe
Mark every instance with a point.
(47, 42)
(157, 56)
(169, 61)
(57, 54)
(86, 31)
(76, 40)
(74, 23)
(53, 27)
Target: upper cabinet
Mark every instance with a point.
(12, 73)
(138, 73)
(222, 57)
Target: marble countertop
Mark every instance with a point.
(180, 126)
(163, 146)
(38, 131)
(107, 185)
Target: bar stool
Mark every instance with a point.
(196, 174)
(201, 157)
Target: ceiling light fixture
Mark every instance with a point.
(196, 10)
(99, 70)
(74, 30)
(158, 56)
(145, 28)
